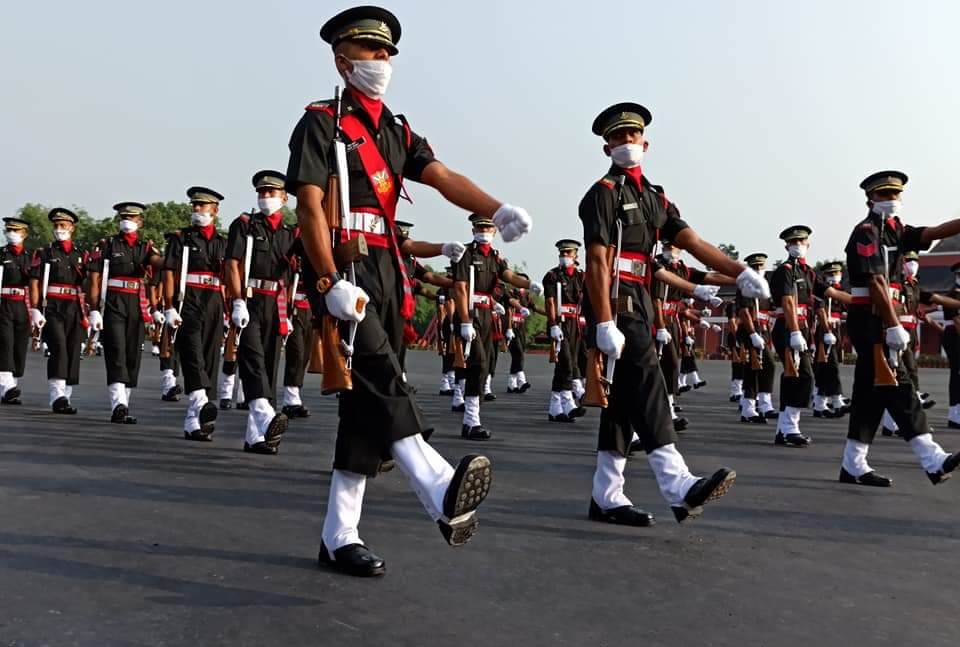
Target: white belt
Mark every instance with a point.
(300, 296)
(908, 319)
(203, 279)
(833, 321)
(54, 289)
(124, 284)
(636, 267)
(13, 292)
(262, 284)
(801, 310)
(947, 324)
(865, 292)
(370, 223)
(481, 299)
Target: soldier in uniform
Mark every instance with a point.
(519, 305)
(563, 322)
(14, 318)
(473, 321)
(828, 394)
(624, 212)
(737, 365)
(63, 322)
(444, 303)
(379, 415)
(197, 315)
(120, 318)
(753, 333)
(259, 307)
(950, 342)
(296, 347)
(874, 264)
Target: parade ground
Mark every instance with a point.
(117, 535)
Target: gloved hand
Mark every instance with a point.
(36, 318)
(757, 340)
(509, 335)
(172, 318)
(346, 302)
(556, 334)
(897, 338)
(752, 285)
(441, 299)
(95, 319)
(289, 326)
(829, 339)
(524, 312)
(705, 292)
(610, 340)
(715, 328)
(704, 324)
(664, 336)
(512, 222)
(536, 287)
(689, 341)
(158, 317)
(715, 302)
(468, 332)
(797, 342)
(453, 250)
(240, 316)
(499, 309)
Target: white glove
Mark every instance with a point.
(172, 317)
(509, 335)
(752, 285)
(689, 341)
(468, 332)
(610, 340)
(556, 334)
(347, 302)
(453, 250)
(240, 317)
(441, 299)
(897, 338)
(664, 336)
(536, 287)
(715, 302)
(512, 222)
(757, 341)
(704, 324)
(715, 328)
(96, 320)
(706, 312)
(797, 342)
(37, 319)
(499, 309)
(158, 317)
(705, 292)
(289, 326)
(524, 312)
(829, 339)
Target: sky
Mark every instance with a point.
(765, 113)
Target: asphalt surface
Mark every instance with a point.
(129, 535)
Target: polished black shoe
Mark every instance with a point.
(474, 433)
(296, 411)
(627, 515)
(577, 412)
(704, 491)
(200, 435)
(791, 440)
(734, 398)
(12, 396)
(468, 488)
(560, 417)
(924, 395)
(259, 448)
(459, 408)
(700, 384)
(889, 433)
(524, 387)
(771, 415)
(243, 406)
(684, 388)
(870, 478)
(62, 405)
(446, 392)
(679, 424)
(757, 419)
(511, 390)
(927, 404)
(489, 397)
(276, 429)
(677, 408)
(950, 463)
(953, 425)
(172, 394)
(121, 416)
(352, 559)
(226, 403)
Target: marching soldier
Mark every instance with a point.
(262, 243)
(170, 390)
(563, 287)
(196, 315)
(475, 277)
(14, 319)
(121, 262)
(57, 275)
(828, 394)
(950, 342)
(519, 305)
(753, 334)
(881, 381)
(622, 211)
(445, 306)
(794, 285)
(737, 365)
(379, 415)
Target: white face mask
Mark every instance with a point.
(483, 237)
(62, 234)
(627, 155)
(887, 208)
(370, 77)
(128, 226)
(566, 261)
(797, 251)
(269, 206)
(201, 219)
(910, 268)
(14, 237)
(834, 279)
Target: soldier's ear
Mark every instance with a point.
(606, 150)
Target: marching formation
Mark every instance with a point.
(335, 295)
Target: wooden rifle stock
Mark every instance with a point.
(315, 366)
(336, 375)
(166, 342)
(90, 346)
(230, 346)
(456, 347)
(553, 351)
(36, 333)
(790, 368)
(883, 375)
(596, 390)
(756, 363)
(821, 353)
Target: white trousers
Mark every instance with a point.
(789, 421)
(471, 411)
(119, 394)
(195, 401)
(258, 419)
(291, 396)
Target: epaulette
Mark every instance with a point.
(319, 106)
(865, 225)
(244, 217)
(788, 266)
(607, 181)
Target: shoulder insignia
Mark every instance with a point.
(787, 266)
(319, 106)
(865, 226)
(866, 250)
(244, 217)
(607, 182)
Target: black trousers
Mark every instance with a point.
(757, 380)
(827, 374)
(122, 337)
(869, 401)
(443, 336)
(14, 336)
(794, 391)
(258, 353)
(910, 361)
(198, 340)
(951, 346)
(517, 348)
(63, 336)
(737, 369)
(297, 350)
(567, 369)
(670, 366)
(688, 363)
(638, 395)
(481, 349)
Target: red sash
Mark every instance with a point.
(282, 310)
(382, 180)
(144, 304)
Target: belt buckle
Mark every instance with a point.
(375, 224)
(638, 268)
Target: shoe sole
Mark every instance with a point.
(276, 429)
(208, 413)
(722, 488)
(460, 523)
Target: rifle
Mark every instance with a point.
(293, 307)
(44, 286)
(471, 311)
(315, 366)
(456, 349)
(90, 347)
(169, 335)
(756, 360)
(555, 345)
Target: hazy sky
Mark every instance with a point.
(765, 113)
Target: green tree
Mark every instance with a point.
(730, 250)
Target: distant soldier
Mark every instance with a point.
(519, 306)
(828, 393)
(564, 282)
(753, 335)
(14, 318)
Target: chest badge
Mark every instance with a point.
(382, 182)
